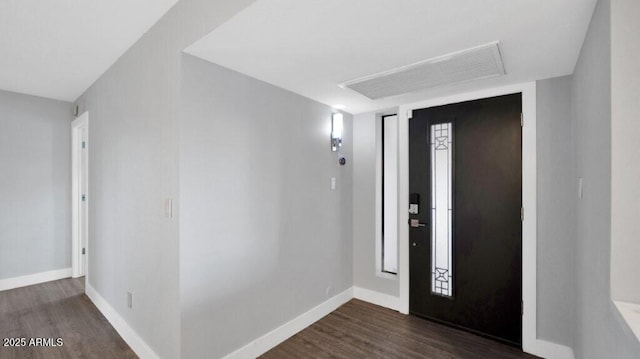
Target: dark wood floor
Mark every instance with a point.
(363, 330)
(60, 309)
(57, 309)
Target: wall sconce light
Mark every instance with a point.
(336, 131)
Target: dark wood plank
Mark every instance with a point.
(58, 309)
(362, 330)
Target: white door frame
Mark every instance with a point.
(78, 211)
(529, 185)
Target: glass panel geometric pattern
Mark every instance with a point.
(441, 209)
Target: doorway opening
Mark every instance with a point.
(79, 194)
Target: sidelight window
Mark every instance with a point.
(442, 209)
(389, 194)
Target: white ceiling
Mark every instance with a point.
(58, 48)
(311, 46)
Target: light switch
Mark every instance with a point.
(168, 208)
(333, 183)
(580, 188)
(129, 300)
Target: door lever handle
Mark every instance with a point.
(415, 223)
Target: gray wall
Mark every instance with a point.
(262, 235)
(364, 207)
(35, 185)
(557, 193)
(625, 131)
(135, 114)
(598, 330)
(134, 124)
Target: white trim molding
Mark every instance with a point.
(289, 329)
(37, 278)
(137, 344)
(78, 211)
(377, 298)
(549, 350)
(630, 312)
(378, 199)
(529, 188)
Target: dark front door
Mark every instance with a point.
(465, 235)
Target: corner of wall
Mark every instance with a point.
(130, 336)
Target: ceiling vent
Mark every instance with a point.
(467, 65)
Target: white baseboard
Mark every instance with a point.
(549, 350)
(287, 330)
(137, 344)
(37, 278)
(377, 298)
(543, 349)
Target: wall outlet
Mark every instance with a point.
(129, 300)
(334, 183)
